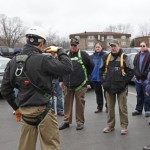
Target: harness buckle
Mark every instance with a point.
(18, 71)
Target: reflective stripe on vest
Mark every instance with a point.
(84, 69)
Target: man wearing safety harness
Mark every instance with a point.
(31, 72)
(75, 85)
(116, 73)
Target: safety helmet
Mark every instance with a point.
(37, 32)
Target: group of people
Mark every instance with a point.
(38, 78)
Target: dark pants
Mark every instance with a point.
(99, 94)
(142, 99)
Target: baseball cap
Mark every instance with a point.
(114, 42)
(74, 41)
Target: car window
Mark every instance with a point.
(3, 64)
(11, 50)
(4, 50)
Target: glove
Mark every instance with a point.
(18, 115)
(51, 49)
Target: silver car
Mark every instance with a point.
(3, 63)
(132, 56)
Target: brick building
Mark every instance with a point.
(88, 39)
(138, 40)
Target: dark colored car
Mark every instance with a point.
(6, 51)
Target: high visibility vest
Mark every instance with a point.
(121, 63)
(79, 58)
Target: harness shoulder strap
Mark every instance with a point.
(121, 63)
(84, 69)
(21, 60)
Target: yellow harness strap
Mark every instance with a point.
(121, 63)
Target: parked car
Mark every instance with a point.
(3, 63)
(132, 56)
(130, 50)
(6, 51)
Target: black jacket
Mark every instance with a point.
(74, 79)
(113, 81)
(141, 75)
(40, 68)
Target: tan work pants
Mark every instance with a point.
(79, 107)
(47, 130)
(123, 112)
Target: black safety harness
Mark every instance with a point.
(21, 60)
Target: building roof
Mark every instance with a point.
(147, 36)
(99, 33)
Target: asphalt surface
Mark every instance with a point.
(91, 137)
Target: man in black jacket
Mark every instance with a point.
(141, 64)
(116, 73)
(75, 85)
(31, 72)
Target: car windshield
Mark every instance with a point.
(3, 64)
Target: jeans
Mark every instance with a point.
(99, 94)
(142, 99)
(58, 93)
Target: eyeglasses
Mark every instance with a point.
(142, 46)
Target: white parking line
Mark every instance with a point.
(132, 93)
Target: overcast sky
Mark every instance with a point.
(66, 17)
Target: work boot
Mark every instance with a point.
(60, 114)
(147, 114)
(146, 147)
(64, 126)
(80, 126)
(98, 111)
(135, 113)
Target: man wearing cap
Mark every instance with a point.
(116, 73)
(75, 85)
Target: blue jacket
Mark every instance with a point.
(97, 60)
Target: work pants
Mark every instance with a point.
(123, 112)
(47, 130)
(79, 96)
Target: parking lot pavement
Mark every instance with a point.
(91, 137)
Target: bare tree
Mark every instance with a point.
(144, 29)
(121, 28)
(110, 28)
(53, 38)
(11, 29)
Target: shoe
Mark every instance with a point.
(108, 129)
(147, 114)
(146, 147)
(98, 111)
(80, 126)
(135, 113)
(60, 114)
(124, 131)
(64, 126)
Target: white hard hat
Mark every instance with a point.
(37, 31)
